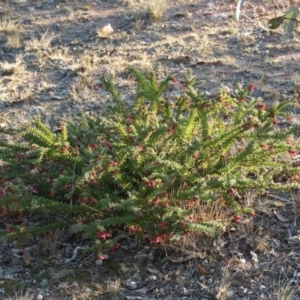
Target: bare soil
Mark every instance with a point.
(51, 64)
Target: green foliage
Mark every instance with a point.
(288, 19)
(145, 167)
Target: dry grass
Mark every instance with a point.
(44, 42)
(223, 286)
(9, 26)
(156, 10)
(285, 291)
(15, 68)
(113, 288)
(14, 40)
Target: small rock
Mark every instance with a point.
(36, 109)
(98, 262)
(185, 291)
(105, 31)
(150, 256)
(152, 277)
(39, 297)
(44, 282)
(131, 285)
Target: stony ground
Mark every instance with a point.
(52, 57)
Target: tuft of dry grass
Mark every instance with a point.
(113, 288)
(13, 40)
(18, 67)
(285, 292)
(9, 26)
(156, 10)
(44, 42)
(222, 288)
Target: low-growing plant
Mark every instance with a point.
(147, 166)
(288, 19)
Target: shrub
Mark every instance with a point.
(146, 166)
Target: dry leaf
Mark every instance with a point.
(261, 243)
(26, 257)
(281, 198)
(294, 240)
(105, 31)
(200, 270)
(280, 217)
(254, 259)
(216, 63)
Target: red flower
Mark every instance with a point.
(103, 235)
(150, 183)
(33, 191)
(107, 145)
(114, 163)
(93, 146)
(190, 203)
(292, 152)
(290, 140)
(261, 106)
(230, 193)
(100, 258)
(183, 224)
(64, 149)
(163, 224)
(290, 119)
(114, 247)
(237, 219)
(162, 237)
(196, 154)
(251, 87)
(134, 228)
(9, 229)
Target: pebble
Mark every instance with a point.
(39, 297)
(44, 282)
(131, 285)
(150, 256)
